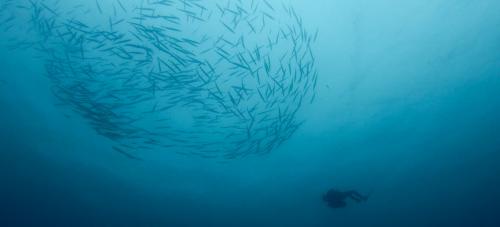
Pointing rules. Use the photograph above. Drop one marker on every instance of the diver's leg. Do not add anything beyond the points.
(359, 196)
(351, 195)
(358, 200)
(356, 196)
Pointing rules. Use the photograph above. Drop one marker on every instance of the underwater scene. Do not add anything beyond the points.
(251, 113)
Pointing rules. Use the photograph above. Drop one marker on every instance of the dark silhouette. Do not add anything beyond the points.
(336, 198)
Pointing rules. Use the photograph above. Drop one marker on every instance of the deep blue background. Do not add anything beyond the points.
(408, 107)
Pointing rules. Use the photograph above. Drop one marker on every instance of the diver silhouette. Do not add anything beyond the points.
(336, 198)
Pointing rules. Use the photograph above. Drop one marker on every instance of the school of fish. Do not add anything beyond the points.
(218, 79)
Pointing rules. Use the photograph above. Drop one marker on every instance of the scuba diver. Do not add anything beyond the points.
(336, 198)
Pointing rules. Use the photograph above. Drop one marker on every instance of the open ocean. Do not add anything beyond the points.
(215, 113)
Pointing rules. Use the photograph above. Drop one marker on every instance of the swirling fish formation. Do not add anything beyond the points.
(210, 78)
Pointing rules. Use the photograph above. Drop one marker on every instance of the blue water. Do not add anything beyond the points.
(407, 109)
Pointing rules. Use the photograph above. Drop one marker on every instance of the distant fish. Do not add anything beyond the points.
(121, 151)
(238, 82)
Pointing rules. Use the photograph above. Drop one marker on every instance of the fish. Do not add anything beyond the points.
(126, 154)
(129, 74)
